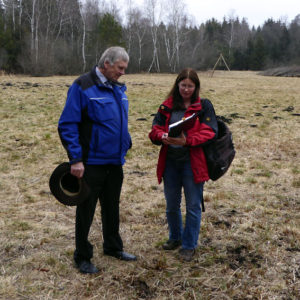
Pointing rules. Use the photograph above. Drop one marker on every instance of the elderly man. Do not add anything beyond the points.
(93, 128)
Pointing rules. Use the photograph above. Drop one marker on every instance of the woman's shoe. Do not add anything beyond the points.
(186, 254)
(171, 245)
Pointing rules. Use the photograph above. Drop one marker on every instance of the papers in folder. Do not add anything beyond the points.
(182, 125)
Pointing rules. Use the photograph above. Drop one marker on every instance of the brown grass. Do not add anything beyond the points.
(249, 246)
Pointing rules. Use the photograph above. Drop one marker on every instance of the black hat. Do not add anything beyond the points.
(67, 188)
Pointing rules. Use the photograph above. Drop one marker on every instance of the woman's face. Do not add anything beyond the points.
(186, 89)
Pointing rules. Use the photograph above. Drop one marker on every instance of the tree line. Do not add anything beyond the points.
(46, 37)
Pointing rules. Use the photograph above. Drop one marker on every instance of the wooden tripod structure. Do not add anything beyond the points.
(221, 57)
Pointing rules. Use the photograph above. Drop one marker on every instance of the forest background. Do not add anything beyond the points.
(66, 37)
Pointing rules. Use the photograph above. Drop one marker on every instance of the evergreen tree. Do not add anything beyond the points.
(258, 54)
(294, 45)
(110, 32)
(239, 60)
(284, 43)
(9, 44)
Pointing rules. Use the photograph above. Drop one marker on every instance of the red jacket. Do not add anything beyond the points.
(196, 136)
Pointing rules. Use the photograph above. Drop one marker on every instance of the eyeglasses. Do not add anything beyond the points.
(186, 86)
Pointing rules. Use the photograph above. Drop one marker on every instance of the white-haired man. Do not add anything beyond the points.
(93, 128)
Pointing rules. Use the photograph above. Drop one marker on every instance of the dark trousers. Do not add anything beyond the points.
(105, 182)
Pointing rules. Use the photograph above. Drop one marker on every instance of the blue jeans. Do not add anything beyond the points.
(178, 175)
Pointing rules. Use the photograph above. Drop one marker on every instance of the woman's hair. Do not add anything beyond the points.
(113, 54)
(187, 73)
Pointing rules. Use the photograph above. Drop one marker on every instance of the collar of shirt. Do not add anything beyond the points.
(102, 78)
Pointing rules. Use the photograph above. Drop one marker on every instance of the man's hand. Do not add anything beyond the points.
(181, 140)
(77, 169)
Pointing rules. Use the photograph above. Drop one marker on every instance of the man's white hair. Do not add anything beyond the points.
(111, 55)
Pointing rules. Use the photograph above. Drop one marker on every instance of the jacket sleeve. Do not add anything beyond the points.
(208, 129)
(68, 124)
(158, 128)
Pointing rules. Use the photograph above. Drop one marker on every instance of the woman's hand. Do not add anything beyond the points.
(164, 138)
(181, 140)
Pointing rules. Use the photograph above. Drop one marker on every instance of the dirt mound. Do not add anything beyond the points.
(292, 71)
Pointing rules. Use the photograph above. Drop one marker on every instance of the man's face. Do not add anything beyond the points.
(115, 71)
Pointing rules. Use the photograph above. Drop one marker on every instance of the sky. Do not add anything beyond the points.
(256, 12)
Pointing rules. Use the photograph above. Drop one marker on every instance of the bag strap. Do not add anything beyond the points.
(204, 103)
(202, 204)
(201, 114)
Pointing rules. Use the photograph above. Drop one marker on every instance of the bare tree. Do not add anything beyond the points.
(20, 13)
(31, 12)
(93, 10)
(140, 26)
(173, 37)
(135, 31)
(129, 15)
(10, 7)
(154, 14)
(83, 38)
(114, 10)
(231, 31)
(13, 10)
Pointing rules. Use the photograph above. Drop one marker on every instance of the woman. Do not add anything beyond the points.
(181, 160)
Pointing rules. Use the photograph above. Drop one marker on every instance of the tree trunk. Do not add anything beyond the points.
(83, 41)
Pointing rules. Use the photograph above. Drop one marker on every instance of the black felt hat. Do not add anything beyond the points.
(67, 188)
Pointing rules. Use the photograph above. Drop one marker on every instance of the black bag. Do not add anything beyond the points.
(220, 151)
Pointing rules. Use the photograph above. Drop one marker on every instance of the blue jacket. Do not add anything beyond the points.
(93, 126)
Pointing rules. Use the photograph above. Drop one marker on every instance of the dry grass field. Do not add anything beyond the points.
(249, 245)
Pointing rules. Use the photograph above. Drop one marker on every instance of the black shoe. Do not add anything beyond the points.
(121, 255)
(171, 245)
(86, 267)
(186, 254)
